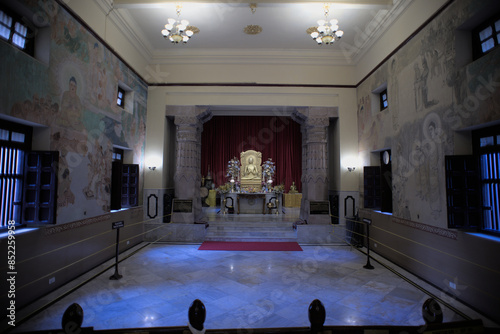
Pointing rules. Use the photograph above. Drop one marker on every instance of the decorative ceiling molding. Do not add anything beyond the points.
(117, 13)
(382, 20)
(251, 56)
(121, 17)
(122, 20)
(160, 3)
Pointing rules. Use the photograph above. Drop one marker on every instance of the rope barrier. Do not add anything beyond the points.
(455, 279)
(423, 245)
(344, 227)
(80, 241)
(78, 261)
(440, 251)
(449, 306)
(55, 300)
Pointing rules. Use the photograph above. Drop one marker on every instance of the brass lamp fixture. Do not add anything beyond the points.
(177, 30)
(327, 32)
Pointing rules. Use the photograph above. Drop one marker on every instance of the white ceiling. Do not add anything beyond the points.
(283, 23)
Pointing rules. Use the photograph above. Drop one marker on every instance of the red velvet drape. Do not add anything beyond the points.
(278, 138)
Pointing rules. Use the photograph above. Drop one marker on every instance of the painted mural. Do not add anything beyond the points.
(431, 97)
(75, 95)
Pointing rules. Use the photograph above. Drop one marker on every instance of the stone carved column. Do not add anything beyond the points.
(315, 167)
(187, 178)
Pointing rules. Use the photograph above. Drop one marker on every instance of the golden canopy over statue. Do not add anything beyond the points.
(251, 169)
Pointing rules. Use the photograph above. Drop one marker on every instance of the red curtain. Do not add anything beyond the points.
(278, 138)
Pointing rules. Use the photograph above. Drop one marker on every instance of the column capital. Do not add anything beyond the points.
(314, 116)
(318, 121)
(186, 120)
(189, 115)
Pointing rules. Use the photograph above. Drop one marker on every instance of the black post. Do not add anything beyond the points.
(368, 264)
(117, 226)
(317, 316)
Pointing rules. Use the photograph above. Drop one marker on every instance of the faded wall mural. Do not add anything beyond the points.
(430, 99)
(74, 95)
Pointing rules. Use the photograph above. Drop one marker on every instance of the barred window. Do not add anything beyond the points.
(473, 184)
(486, 37)
(16, 31)
(15, 141)
(383, 100)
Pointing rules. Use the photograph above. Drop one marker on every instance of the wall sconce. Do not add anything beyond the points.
(152, 168)
(351, 169)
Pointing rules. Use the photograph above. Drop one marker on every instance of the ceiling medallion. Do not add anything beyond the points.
(310, 30)
(194, 29)
(252, 29)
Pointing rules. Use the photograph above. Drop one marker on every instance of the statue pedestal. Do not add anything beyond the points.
(292, 200)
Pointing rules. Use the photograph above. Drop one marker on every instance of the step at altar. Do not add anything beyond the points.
(251, 231)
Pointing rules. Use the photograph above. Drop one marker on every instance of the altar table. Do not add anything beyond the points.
(255, 203)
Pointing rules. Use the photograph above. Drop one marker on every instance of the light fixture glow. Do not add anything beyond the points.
(177, 30)
(327, 32)
(153, 161)
(350, 162)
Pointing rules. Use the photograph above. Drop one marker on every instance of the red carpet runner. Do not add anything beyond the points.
(250, 246)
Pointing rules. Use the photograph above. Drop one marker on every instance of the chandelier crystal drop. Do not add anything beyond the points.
(177, 30)
(327, 31)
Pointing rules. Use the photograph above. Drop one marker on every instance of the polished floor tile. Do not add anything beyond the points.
(242, 290)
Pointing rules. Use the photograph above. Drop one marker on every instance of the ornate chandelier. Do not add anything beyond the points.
(327, 32)
(177, 30)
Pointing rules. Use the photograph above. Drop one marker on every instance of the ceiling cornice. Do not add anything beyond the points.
(345, 55)
(160, 3)
(251, 56)
(124, 22)
(382, 20)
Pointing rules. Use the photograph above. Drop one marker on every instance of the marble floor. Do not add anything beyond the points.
(244, 290)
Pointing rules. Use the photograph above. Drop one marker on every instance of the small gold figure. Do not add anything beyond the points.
(293, 188)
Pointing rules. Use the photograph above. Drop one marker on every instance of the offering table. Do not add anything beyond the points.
(253, 203)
